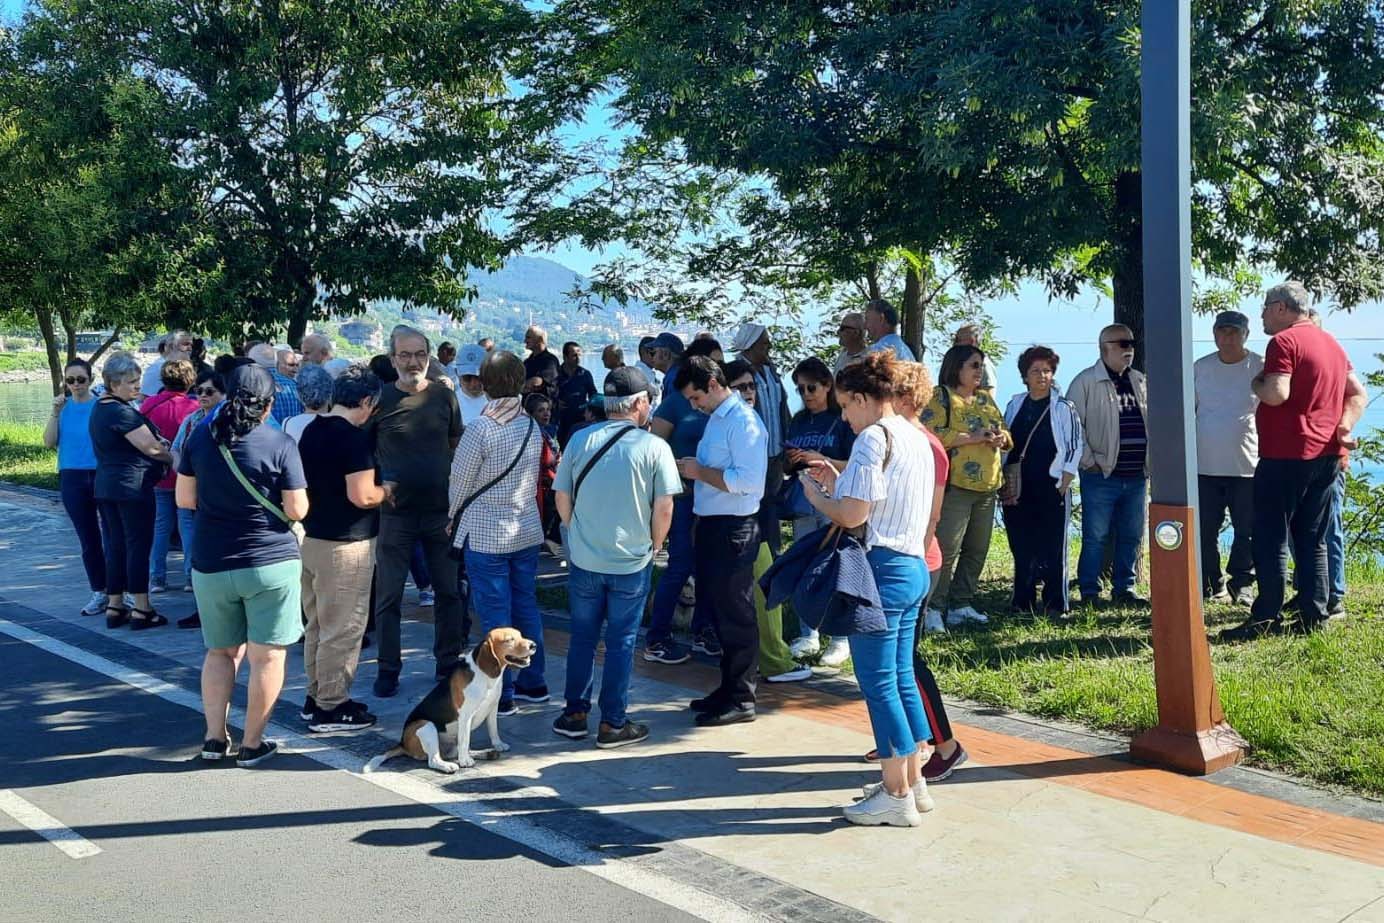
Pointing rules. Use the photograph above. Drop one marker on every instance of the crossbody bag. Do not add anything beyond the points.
(1013, 485)
(591, 462)
(454, 552)
(294, 526)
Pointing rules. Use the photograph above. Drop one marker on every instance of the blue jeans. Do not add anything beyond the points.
(78, 498)
(1109, 505)
(682, 563)
(617, 600)
(503, 590)
(884, 659)
(1336, 539)
(165, 512)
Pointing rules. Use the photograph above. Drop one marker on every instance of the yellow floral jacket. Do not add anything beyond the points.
(973, 466)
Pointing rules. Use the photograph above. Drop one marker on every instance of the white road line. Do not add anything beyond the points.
(47, 826)
(472, 809)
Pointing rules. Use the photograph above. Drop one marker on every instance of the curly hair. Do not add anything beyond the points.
(1036, 354)
(873, 376)
(250, 392)
(913, 386)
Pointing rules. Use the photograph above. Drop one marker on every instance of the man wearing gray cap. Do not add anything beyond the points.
(615, 487)
(1227, 451)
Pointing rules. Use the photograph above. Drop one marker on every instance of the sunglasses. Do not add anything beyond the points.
(207, 391)
(1123, 344)
(745, 387)
(77, 380)
(809, 388)
(845, 329)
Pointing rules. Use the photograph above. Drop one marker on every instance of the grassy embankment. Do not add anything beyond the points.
(1313, 707)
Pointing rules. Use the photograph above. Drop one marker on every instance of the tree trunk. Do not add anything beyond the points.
(50, 345)
(872, 281)
(1128, 278)
(110, 341)
(913, 310)
(69, 329)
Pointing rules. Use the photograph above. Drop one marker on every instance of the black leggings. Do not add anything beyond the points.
(129, 536)
(927, 683)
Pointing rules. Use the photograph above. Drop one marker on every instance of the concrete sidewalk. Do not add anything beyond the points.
(1027, 830)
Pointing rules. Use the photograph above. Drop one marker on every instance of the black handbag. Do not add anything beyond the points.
(455, 552)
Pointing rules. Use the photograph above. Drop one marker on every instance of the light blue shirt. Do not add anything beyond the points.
(610, 528)
(734, 443)
(767, 404)
(75, 451)
(895, 342)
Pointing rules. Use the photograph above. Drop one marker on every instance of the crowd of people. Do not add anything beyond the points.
(306, 489)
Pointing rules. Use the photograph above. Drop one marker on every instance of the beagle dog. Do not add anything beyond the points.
(469, 694)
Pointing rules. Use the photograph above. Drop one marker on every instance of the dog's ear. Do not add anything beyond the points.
(487, 661)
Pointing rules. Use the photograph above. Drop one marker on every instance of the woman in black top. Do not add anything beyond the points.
(130, 459)
(1047, 448)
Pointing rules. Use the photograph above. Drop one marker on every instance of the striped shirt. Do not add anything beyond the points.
(900, 494)
(769, 402)
(1134, 438)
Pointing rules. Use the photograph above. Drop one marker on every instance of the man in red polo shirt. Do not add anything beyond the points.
(1309, 401)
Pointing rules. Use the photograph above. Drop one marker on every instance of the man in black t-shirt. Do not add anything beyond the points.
(541, 367)
(416, 426)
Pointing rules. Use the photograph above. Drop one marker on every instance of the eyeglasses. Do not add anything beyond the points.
(1123, 344)
(811, 387)
(1270, 304)
(207, 391)
(421, 356)
(77, 380)
(744, 387)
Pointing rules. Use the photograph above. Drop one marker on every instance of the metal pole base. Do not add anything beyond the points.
(1192, 734)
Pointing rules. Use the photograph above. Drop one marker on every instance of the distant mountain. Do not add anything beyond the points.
(539, 282)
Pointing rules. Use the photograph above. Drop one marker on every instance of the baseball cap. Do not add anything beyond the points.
(627, 381)
(469, 359)
(670, 342)
(1231, 319)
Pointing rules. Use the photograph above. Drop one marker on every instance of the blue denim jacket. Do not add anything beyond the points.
(833, 587)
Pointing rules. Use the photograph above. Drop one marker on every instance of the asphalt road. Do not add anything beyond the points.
(184, 840)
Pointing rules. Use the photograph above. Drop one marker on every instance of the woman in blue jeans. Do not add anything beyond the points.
(886, 489)
(493, 507)
(67, 431)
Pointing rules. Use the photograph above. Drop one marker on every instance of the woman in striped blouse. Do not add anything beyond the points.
(886, 488)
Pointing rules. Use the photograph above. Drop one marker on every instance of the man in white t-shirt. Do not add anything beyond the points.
(470, 393)
(1227, 451)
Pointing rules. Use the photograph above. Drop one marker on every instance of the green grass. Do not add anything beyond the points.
(23, 459)
(23, 362)
(1313, 706)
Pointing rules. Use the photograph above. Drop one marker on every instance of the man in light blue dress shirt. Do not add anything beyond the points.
(882, 323)
(728, 472)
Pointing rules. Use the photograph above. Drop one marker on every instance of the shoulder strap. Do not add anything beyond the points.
(260, 498)
(888, 446)
(461, 510)
(591, 462)
(946, 407)
(1036, 423)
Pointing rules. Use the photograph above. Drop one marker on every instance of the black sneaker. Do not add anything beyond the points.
(729, 714)
(608, 738)
(1252, 629)
(1336, 609)
(537, 694)
(346, 717)
(665, 652)
(1293, 604)
(573, 726)
(1129, 598)
(386, 685)
(213, 750)
(309, 709)
(191, 621)
(707, 704)
(248, 758)
(707, 643)
(507, 708)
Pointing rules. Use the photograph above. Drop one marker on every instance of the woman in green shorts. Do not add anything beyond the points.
(245, 480)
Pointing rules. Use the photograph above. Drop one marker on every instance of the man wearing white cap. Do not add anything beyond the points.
(752, 343)
(470, 392)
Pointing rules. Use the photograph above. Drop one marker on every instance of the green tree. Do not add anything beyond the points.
(343, 152)
(1003, 136)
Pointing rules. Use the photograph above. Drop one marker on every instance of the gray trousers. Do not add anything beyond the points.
(399, 530)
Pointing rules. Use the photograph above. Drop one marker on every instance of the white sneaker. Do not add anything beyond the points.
(932, 622)
(966, 614)
(97, 604)
(883, 809)
(837, 653)
(806, 645)
(796, 675)
(426, 598)
(129, 601)
(921, 799)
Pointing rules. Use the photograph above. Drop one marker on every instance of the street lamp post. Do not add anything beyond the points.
(1192, 734)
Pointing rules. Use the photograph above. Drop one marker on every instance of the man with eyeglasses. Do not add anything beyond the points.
(1111, 398)
(1309, 402)
(851, 335)
(416, 425)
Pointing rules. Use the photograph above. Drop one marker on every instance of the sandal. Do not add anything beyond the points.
(122, 615)
(146, 619)
(872, 756)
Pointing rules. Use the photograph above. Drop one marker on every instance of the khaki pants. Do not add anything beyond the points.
(336, 601)
(968, 516)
